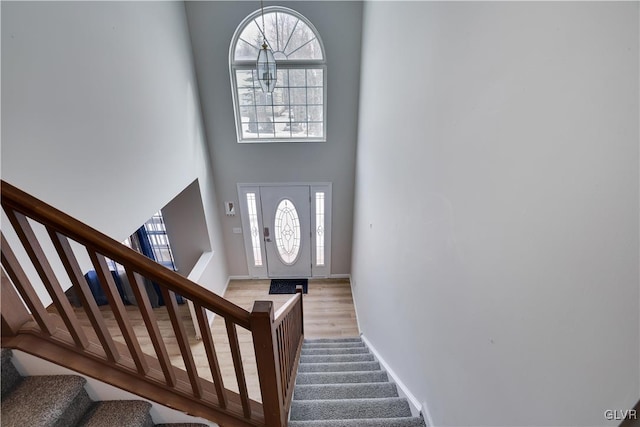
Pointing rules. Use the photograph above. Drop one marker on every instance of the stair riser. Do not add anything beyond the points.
(356, 408)
(341, 378)
(385, 422)
(332, 340)
(339, 367)
(337, 358)
(76, 410)
(130, 413)
(333, 345)
(10, 375)
(344, 391)
(324, 351)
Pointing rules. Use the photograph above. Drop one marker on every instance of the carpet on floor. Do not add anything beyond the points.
(288, 286)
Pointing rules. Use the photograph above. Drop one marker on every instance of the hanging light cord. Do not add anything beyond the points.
(264, 35)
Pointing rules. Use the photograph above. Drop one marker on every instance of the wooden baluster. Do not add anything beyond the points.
(267, 361)
(290, 338)
(68, 258)
(39, 259)
(14, 313)
(119, 312)
(210, 349)
(183, 341)
(282, 355)
(237, 364)
(144, 305)
(24, 287)
(280, 334)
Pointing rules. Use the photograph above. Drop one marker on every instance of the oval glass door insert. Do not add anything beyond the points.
(287, 232)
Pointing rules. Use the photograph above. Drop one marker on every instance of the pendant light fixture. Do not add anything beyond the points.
(266, 64)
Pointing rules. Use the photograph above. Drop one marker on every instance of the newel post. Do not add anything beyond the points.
(268, 363)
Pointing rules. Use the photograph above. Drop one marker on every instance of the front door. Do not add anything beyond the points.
(286, 230)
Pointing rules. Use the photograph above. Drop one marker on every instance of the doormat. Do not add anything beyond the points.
(288, 286)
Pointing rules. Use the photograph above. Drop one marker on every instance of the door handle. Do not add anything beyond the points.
(267, 236)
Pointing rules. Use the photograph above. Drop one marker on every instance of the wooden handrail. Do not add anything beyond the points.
(47, 215)
(286, 308)
(92, 350)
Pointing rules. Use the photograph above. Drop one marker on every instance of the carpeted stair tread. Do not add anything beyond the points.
(348, 350)
(181, 425)
(331, 340)
(121, 413)
(341, 377)
(10, 375)
(336, 358)
(390, 407)
(344, 391)
(363, 422)
(339, 367)
(341, 384)
(49, 400)
(347, 344)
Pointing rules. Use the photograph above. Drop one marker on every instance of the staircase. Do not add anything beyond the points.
(340, 384)
(62, 401)
(57, 253)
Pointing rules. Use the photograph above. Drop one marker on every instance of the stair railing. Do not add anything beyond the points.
(92, 350)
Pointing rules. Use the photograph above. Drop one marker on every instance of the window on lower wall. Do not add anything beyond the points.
(152, 241)
(296, 110)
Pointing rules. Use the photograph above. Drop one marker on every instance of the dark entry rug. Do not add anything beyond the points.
(288, 286)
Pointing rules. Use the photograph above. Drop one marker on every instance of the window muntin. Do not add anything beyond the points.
(289, 35)
(296, 111)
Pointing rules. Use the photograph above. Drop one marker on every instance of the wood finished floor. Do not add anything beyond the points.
(328, 313)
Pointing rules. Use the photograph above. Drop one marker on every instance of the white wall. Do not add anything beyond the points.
(212, 24)
(186, 228)
(495, 257)
(100, 112)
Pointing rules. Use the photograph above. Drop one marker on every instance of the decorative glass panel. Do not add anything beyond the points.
(255, 229)
(287, 231)
(320, 228)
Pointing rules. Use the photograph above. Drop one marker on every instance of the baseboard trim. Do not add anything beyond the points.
(403, 391)
(229, 279)
(242, 277)
(340, 276)
(355, 305)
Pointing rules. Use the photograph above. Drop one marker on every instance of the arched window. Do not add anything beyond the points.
(296, 110)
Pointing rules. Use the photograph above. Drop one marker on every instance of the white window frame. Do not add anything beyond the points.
(235, 65)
